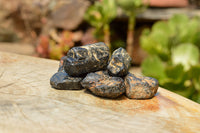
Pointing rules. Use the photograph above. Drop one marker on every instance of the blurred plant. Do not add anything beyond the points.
(173, 49)
(56, 45)
(131, 8)
(100, 15)
(7, 35)
(118, 43)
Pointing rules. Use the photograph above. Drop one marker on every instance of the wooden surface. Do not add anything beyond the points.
(18, 48)
(29, 104)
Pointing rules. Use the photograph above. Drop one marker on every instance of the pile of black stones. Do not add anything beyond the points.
(91, 67)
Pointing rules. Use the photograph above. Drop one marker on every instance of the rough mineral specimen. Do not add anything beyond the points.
(84, 59)
(61, 66)
(119, 63)
(101, 84)
(61, 80)
(92, 60)
(140, 87)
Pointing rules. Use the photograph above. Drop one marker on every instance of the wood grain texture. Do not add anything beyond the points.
(28, 104)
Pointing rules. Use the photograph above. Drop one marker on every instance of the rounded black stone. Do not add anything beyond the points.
(103, 85)
(85, 59)
(119, 63)
(61, 80)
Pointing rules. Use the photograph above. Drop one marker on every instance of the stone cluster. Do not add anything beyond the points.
(89, 67)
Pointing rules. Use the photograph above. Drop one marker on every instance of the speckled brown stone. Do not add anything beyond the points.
(101, 84)
(62, 81)
(85, 59)
(119, 63)
(139, 87)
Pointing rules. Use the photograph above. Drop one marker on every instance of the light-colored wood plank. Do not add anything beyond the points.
(28, 104)
(18, 48)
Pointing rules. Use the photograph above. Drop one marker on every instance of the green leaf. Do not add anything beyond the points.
(172, 85)
(177, 26)
(195, 96)
(195, 71)
(175, 45)
(109, 10)
(185, 54)
(156, 43)
(161, 26)
(196, 38)
(178, 21)
(161, 41)
(93, 16)
(174, 72)
(131, 6)
(146, 42)
(176, 78)
(189, 34)
(194, 74)
(196, 83)
(186, 92)
(154, 67)
(65, 48)
(101, 13)
(55, 52)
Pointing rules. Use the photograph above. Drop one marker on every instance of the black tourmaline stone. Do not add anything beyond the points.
(140, 87)
(119, 63)
(85, 59)
(62, 81)
(101, 84)
(61, 66)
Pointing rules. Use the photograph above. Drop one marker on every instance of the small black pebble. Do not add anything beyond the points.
(62, 81)
(119, 63)
(101, 84)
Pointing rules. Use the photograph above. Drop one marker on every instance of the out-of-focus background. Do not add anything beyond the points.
(162, 36)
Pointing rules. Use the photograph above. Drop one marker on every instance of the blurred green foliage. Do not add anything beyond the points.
(131, 8)
(174, 50)
(7, 35)
(55, 46)
(103, 12)
(100, 15)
